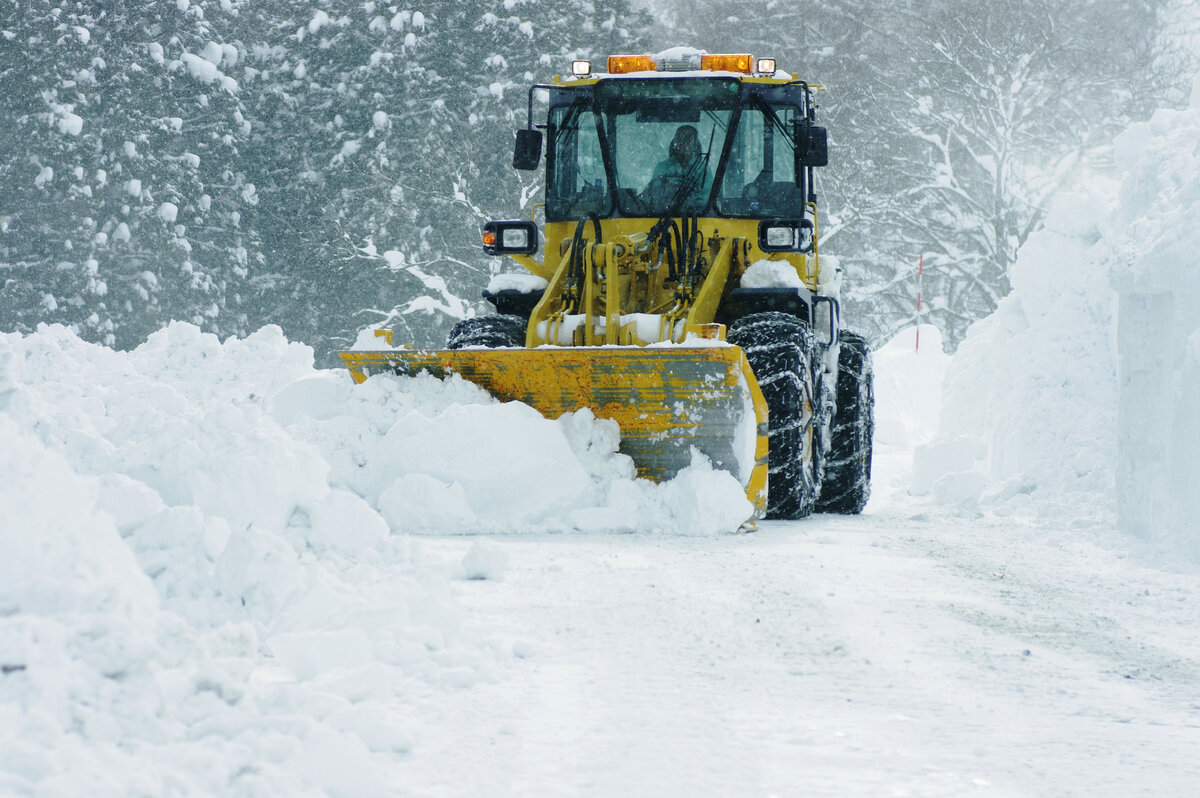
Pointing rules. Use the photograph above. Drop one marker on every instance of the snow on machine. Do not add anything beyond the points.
(681, 291)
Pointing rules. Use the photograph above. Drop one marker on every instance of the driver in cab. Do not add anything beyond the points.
(684, 165)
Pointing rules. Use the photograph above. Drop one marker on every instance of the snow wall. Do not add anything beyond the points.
(1079, 397)
(1156, 270)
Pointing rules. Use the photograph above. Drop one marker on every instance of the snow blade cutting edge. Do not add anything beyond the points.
(667, 400)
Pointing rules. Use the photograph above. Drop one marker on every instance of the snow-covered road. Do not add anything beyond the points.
(904, 652)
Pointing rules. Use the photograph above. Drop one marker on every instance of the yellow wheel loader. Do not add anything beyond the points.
(680, 290)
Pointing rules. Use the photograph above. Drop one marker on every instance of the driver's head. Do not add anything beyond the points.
(686, 144)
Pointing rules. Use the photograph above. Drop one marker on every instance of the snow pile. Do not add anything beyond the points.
(176, 603)
(201, 580)
(1029, 412)
(1156, 269)
(250, 433)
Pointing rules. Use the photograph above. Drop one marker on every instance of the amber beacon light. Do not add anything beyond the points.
(740, 62)
(622, 64)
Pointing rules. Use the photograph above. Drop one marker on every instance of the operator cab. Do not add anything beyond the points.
(670, 138)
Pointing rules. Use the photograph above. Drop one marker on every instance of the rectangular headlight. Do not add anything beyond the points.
(785, 235)
(510, 238)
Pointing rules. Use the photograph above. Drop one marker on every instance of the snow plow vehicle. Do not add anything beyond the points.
(681, 291)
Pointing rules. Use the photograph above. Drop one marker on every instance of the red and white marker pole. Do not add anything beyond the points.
(920, 274)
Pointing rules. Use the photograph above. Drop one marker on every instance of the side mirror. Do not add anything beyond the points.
(812, 145)
(528, 152)
(510, 238)
(785, 235)
(826, 319)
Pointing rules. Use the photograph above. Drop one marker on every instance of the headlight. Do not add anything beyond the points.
(510, 238)
(785, 235)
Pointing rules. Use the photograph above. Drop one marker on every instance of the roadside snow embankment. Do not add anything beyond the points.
(1077, 398)
(202, 556)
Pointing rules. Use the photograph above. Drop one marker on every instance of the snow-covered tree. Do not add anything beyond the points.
(119, 190)
(383, 140)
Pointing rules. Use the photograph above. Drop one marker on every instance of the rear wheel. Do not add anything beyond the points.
(781, 350)
(846, 485)
(488, 331)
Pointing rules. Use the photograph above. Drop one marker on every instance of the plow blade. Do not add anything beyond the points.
(666, 400)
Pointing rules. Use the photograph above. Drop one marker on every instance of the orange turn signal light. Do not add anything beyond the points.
(727, 62)
(489, 238)
(621, 64)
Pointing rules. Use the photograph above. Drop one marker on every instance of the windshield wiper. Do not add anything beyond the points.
(769, 112)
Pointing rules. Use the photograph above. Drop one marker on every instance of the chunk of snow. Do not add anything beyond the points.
(344, 521)
(485, 561)
(349, 149)
(771, 274)
(70, 124)
(212, 53)
(200, 68)
(423, 503)
(523, 282)
(168, 211)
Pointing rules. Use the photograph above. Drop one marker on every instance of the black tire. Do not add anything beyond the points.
(781, 350)
(846, 485)
(488, 331)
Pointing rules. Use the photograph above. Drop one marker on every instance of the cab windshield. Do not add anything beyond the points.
(653, 147)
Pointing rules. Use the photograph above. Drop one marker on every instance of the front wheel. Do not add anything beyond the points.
(488, 332)
(847, 482)
(781, 350)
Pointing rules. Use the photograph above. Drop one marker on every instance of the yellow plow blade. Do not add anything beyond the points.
(667, 400)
